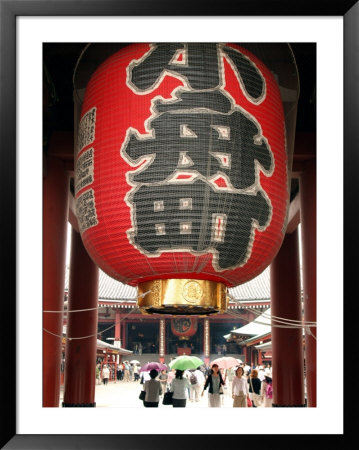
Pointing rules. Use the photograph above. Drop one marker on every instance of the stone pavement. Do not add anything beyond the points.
(123, 394)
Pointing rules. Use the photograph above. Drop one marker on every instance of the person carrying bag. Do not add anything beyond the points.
(255, 388)
(153, 390)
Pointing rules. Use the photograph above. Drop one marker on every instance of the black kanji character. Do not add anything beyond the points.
(202, 143)
(195, 218)
(200, 68)
(247, 71)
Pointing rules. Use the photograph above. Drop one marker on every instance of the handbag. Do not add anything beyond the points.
(249, 402)
(167, 398)
(142, 395)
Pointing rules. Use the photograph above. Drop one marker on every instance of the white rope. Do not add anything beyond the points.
(72, 310)
(69, 338)
(292, 322)
(144, 294)
(273, 325)
(89, 309)
(122, 318)
(270, 316)
(309, 331)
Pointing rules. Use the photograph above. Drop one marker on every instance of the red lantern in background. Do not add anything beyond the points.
(184, 326)
(181, 179)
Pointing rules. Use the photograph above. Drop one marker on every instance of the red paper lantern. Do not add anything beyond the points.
(184, 326)
(181, 165)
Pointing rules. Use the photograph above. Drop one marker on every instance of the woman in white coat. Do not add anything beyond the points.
(240, 390)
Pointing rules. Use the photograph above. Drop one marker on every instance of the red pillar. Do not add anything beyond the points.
(123, 330)
(162, 340)
(260, 360)
(118, 327)
(80, 356)
(245, 353)
(206, 341)
(287, 343)
(308, 214)
(55, 211)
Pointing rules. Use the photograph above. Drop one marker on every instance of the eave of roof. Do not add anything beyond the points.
(265, 346)
(258, 337)
(260, 325)
(254, 293)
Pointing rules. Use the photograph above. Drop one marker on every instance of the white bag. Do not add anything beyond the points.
(257, 400)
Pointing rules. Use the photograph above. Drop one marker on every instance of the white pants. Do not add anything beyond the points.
(214, 400)
(195, 392)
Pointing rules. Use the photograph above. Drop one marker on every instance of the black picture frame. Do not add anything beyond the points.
(9, 10)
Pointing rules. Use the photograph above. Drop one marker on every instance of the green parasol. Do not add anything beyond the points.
(185, 362)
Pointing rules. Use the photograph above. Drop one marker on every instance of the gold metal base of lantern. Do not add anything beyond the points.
(182, 297)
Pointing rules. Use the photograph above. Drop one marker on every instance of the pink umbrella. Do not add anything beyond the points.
(153, 365)
(226, 362)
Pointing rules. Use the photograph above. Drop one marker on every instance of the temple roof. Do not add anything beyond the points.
(256, 289)
(110, 289)
(260, 326)
(265, 346)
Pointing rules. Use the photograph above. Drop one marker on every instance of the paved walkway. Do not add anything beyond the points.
(125, 394)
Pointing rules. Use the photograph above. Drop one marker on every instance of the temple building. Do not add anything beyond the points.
(121, 323)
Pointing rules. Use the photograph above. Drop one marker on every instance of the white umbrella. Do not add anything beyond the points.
(134, 361)
(226, 362)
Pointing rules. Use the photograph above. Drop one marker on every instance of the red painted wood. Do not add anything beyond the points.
(80, 356)
(118, 326)
(287, 343)
(55, 206)
(309, 245)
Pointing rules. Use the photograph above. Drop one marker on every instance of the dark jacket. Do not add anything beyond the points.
(256, 382)
(210, 383)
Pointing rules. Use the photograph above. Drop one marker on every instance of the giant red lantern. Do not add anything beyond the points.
(184, 326)
(181, 179)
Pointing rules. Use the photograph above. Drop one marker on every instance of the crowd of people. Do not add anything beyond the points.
(249, 387)
(119, 372)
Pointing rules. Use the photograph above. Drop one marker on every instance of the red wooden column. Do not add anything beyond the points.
(287, 343)
(80, 355)
(206, 341)
(245, 354)
(260, 361)
(118, 328)
(162, 340)
(308, 214)
(123, 331)
(55, 210)
(117, 341)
